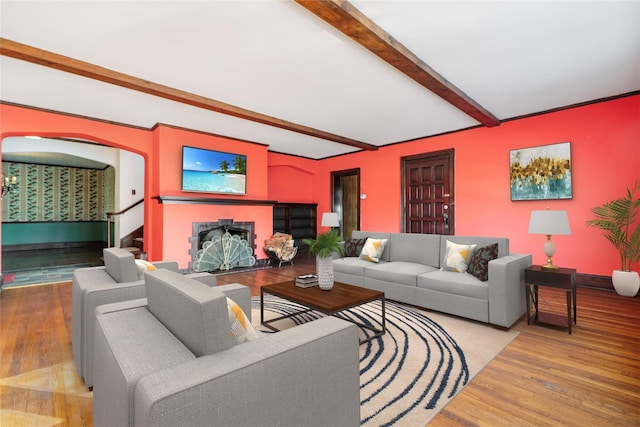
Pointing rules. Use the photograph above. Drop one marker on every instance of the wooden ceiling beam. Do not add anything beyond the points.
(64, 63)
(350, 21)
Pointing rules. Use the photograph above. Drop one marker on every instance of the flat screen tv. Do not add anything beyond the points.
(210, 171)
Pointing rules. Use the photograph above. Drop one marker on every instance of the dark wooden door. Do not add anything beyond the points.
(428, 199)
(345, 200)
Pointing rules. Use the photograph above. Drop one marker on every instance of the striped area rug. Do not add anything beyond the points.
(409, 374)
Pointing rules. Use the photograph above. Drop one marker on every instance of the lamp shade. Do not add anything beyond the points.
(549, 222)
(330, 219)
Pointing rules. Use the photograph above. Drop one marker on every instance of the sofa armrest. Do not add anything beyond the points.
(120, 306)
(338, 254)
(93, 297)
(169, 265)
(202, 277)
(506, 289)
(83, 278)
(306, 375)
(240, 294)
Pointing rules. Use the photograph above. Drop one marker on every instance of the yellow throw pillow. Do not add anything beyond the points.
(373, 249)
(241, 328)
(144, 266)
(457, 257)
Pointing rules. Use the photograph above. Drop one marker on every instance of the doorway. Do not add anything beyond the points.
(428, 200)
(55, 221)
(345, 199)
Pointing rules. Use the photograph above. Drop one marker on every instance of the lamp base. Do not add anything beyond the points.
(550, 266)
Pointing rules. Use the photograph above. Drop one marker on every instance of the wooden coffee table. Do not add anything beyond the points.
(341, 297)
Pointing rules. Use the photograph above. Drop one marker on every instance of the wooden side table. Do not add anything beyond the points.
(564, 278)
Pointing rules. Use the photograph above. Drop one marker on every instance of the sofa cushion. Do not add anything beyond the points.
(479, 264)
(352, 265)
(120, 265)
(454, 283)
(241, 327)
(194, 312)
(399, 272)
(415, 247)
(457, 257)
(372, 249)
(353, 247)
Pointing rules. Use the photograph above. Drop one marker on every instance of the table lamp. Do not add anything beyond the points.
(549, 222)
(330, 219)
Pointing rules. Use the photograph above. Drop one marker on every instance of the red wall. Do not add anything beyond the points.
(176, 225)
(605, 145)
(167, 227)
(605, 150)
(291, 179)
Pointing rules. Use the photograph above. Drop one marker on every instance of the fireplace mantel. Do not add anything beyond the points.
(211, 201)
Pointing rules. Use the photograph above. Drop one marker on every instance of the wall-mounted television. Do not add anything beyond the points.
(210, 171)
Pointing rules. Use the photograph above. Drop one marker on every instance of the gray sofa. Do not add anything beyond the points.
(179, 367)
(118, 280)
(410, 271)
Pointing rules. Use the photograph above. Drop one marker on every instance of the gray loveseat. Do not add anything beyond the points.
(179, 366)
(118, 280)
(409, 271)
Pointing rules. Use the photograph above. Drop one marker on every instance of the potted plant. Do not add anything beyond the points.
(618, 219)
(323, 247)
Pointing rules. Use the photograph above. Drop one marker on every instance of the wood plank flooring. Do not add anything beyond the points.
(544, 377)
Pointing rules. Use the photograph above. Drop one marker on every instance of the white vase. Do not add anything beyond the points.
(626, 283)
(324, 271)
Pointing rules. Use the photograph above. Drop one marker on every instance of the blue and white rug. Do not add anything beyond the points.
(409, 374)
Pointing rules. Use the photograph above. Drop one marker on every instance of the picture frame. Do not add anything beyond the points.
(541, 173)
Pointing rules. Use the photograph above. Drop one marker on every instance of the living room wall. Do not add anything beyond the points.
(176, 225)
(605, 150)
(161, 150)
(292, 179)
(605, 144)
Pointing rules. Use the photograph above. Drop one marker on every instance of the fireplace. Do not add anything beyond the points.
(208, 231)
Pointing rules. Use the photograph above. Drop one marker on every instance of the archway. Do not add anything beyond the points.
(65, 187)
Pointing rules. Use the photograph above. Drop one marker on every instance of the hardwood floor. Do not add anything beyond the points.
(544, 377)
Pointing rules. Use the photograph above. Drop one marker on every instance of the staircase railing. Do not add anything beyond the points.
(113, 214)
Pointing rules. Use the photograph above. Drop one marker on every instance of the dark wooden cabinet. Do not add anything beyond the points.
(297, 219)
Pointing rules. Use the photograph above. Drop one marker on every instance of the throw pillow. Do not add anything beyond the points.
(457, 257)
(373, 249)
(479, 263)
(353, 247)
(241, 329)
(144, 266)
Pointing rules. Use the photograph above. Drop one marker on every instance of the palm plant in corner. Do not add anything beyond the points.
(617, 220)
(323, 248)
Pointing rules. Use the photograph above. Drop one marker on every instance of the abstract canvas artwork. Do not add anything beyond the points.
(541, 173)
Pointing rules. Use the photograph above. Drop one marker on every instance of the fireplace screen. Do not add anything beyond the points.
(224, 252)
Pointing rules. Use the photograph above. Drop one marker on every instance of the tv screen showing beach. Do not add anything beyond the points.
(210, 171)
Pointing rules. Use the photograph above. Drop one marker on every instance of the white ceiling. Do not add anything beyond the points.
(275, 57)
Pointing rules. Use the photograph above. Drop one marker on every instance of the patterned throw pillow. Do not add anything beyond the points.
(241, 329)
(457, 257)
(144, 266)
(353, 247)
(373, 249)
(479, 263)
